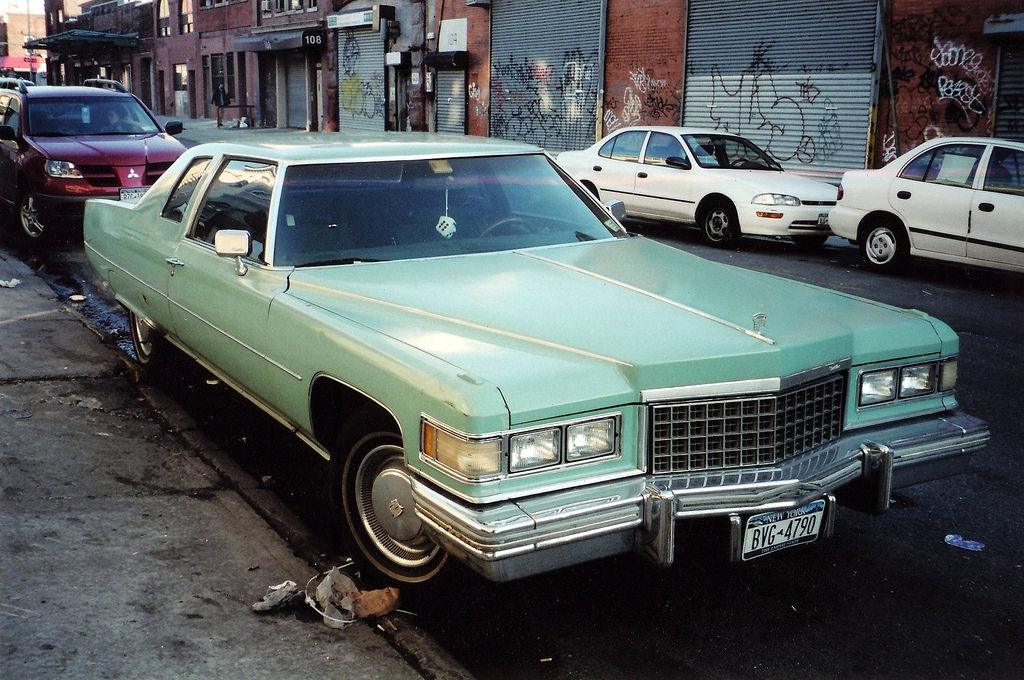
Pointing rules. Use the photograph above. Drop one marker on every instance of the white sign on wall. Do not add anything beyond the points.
(452, 36)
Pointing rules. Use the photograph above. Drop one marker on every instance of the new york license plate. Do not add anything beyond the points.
(132, 194)
(771, 531)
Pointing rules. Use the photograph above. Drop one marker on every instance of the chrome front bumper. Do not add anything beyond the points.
(510, 540)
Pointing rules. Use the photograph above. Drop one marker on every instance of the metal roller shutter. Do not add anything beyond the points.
(361, 96)
(451, 101)
(1009, 113)
(546, 73)
(797, 78)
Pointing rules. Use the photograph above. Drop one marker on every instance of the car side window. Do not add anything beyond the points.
(180, 198)
(624, 147)
(238, 198)
(953, 165)
(1005, 172)
(10, 111)
(661, 147)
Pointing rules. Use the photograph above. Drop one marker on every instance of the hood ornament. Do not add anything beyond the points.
(760, 321)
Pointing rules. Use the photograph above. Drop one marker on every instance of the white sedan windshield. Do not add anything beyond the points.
(721, 151)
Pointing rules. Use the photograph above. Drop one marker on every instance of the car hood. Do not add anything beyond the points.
(602, 321)
(761, 181)
(120, 150)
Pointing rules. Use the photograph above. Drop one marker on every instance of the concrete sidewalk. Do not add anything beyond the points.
(124, 553)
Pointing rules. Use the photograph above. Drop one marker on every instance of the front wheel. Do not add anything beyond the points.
(371, 492)
(29, 219)
(719, 225)
(884, 246)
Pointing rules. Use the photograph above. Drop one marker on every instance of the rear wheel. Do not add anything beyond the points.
(148, 343)
(371, 493)
(719, 225)
(885, 246)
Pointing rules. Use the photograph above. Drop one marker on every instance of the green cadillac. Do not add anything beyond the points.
(499, 372)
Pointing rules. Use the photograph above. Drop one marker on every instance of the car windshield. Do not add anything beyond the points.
(341, 213)
(722, 151)
(81, 116)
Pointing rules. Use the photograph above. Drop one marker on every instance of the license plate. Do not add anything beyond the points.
(823, 220)
(133, 194)
(773, 531)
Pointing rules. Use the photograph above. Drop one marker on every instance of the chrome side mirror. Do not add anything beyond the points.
(235, 243)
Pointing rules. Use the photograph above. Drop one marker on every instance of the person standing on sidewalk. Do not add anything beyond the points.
(220, 100)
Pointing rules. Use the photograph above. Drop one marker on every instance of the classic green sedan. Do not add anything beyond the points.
(499, 372)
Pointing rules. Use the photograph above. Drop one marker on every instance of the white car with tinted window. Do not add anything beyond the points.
(958, 199)
(720, 182)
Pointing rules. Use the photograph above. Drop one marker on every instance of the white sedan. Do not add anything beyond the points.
(722, 183)
(952, 198)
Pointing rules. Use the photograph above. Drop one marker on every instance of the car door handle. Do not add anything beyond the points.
(903, 194)
(174, 264)
(642, 175)
(986, 207)
(597, 168)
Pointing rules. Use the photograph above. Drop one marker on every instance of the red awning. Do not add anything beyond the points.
(22, 63)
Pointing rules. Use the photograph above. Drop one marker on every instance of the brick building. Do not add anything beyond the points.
(824, 86)
(21, 23)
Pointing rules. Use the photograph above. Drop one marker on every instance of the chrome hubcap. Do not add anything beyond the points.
(717, 225)
(386, 509)
(881, 246)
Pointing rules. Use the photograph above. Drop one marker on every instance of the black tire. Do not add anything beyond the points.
(371, 495)
(719, 225)
(884, 246)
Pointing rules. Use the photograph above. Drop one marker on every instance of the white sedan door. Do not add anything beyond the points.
(664, 191)
(934, 195)
(997, 212)
(615, 168)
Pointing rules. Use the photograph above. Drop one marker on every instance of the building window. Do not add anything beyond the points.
(163, 19)
(185, 16)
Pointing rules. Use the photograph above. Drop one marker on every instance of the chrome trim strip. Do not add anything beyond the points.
(732, 388)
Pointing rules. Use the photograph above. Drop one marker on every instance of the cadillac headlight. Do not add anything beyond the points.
(907, 382)
(917, 380)
(775, 199)
(474, 458)
(877, 387)
(590, 440)
(62, 169)
(532, 450)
